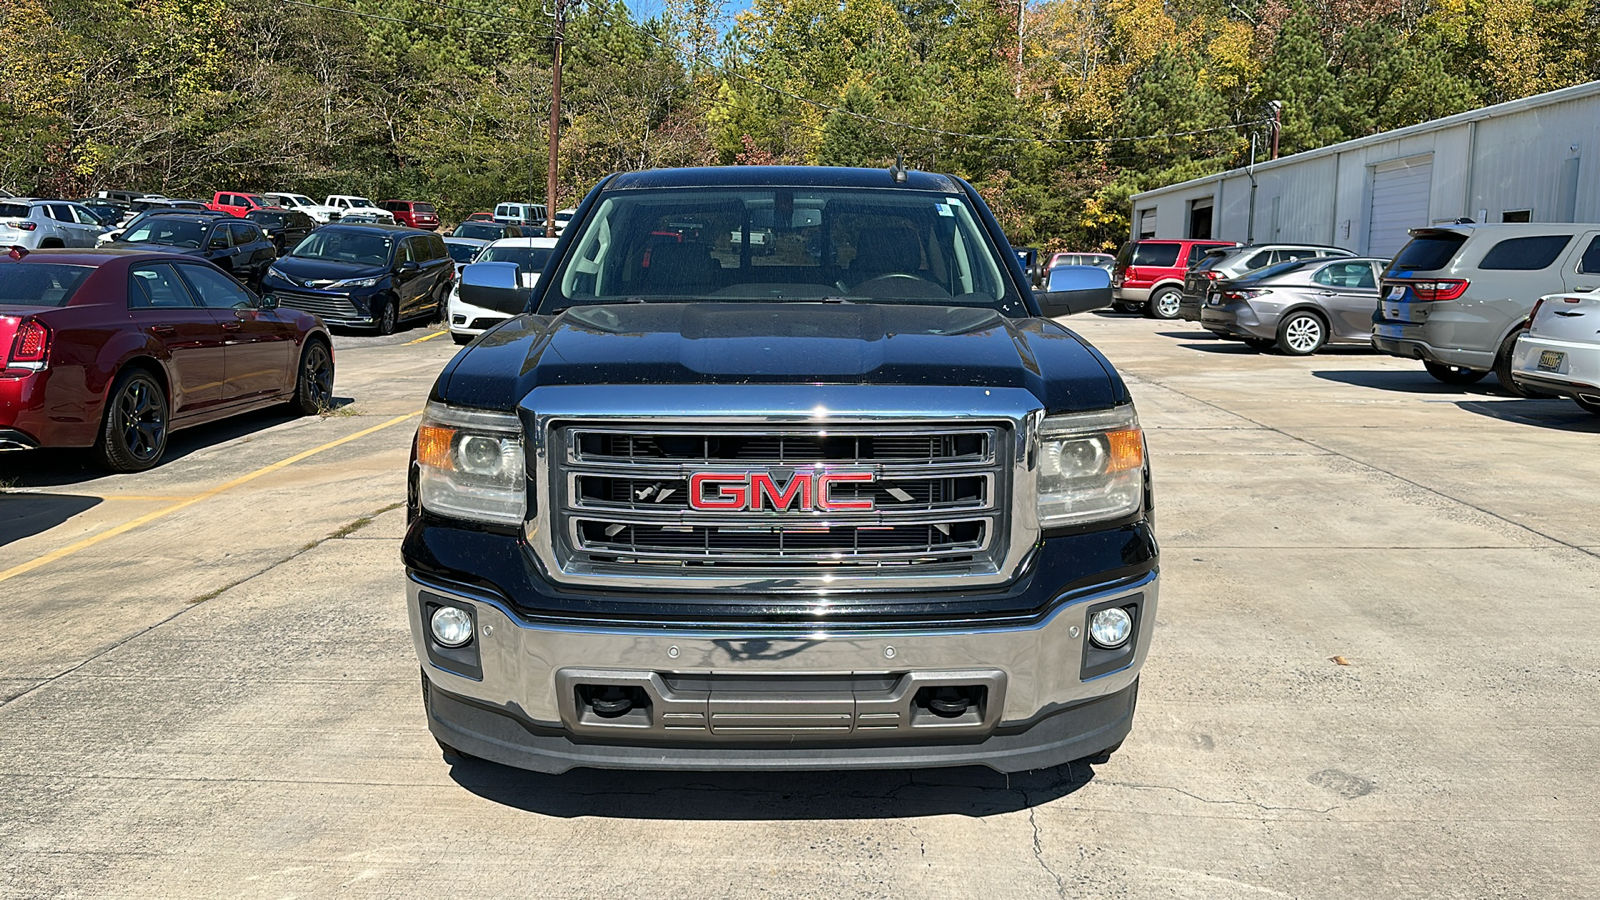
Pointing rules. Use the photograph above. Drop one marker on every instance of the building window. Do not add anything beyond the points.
(1147, 223)
(1200, 218)
(1517, 215)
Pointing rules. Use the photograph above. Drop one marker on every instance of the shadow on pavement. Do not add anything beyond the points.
(1200, 335)
(1417, 382)
(52, 467)
(25, 515)
(1560, 415)
(766, 796)
(1234, 348)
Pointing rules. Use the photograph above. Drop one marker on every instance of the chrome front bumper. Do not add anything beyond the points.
(521, 705)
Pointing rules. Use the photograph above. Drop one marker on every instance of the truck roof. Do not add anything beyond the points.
(780, 176)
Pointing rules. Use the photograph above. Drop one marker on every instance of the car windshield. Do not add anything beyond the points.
(345, 246)
(462, 253)
(167, 230)
(258, 200)
(1283, 268)
(37, 284)
(268, 218)
(361, 201)
(782, 245)
(528, 259)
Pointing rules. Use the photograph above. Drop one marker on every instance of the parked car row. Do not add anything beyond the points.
(1519, 300)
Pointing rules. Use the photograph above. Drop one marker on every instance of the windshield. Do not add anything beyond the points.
(167, 230)
(345, 246)
(38, 284)
(483, 231)
(782, 244)
(361, 201)
(528, 259)
(462, 253)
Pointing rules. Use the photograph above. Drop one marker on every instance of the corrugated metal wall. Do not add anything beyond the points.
(1529, 155)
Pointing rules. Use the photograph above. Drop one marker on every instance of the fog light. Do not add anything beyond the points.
(1110, 628)
(452, 626)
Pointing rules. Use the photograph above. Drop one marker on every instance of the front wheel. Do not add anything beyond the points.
(133, 434)
(1456, 375)
(1165, 303)
(1302, 334)
(1502, 368)
(313, 388)
(1127, 308)
(388, 316)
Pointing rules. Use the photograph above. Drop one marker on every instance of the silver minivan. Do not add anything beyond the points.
(1457, 296)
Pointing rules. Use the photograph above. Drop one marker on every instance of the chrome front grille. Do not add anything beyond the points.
(327, 306)
(619, 503)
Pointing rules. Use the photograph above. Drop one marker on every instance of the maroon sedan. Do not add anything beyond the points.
(113, 349)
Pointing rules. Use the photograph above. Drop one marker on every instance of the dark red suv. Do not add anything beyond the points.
(1149, 273)
(415, 213)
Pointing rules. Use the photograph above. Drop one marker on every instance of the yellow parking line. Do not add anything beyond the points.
(428, 337)
(147, 518)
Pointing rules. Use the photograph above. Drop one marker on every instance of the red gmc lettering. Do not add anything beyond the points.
(762, 485)
(731, 491)
(759, 490)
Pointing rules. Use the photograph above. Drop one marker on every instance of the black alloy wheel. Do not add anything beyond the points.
(313, 389)
(1456, 375)
(134, 433)
(388, 316)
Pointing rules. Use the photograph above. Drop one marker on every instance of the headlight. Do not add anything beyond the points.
(356, 282)
(1090, 467)
(276, 272)
(472, 465)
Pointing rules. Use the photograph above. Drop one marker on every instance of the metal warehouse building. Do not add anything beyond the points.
(1521, 161)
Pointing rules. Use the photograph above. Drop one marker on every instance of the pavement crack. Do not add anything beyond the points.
(1038, 847)
(1134, 785)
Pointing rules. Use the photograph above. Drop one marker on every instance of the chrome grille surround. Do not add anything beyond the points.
(982, 530)
(335, 307)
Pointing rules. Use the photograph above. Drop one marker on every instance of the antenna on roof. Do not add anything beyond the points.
(898, 170)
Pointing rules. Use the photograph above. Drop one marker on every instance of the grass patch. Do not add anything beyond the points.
(337, 412)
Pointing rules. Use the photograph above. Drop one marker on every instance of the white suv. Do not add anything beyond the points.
(319, 213)
(47, 223)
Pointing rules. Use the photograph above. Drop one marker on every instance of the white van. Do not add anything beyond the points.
(520, 213)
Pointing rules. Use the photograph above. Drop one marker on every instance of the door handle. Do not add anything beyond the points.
(163, 329)
(231, 326)
(1326, 293)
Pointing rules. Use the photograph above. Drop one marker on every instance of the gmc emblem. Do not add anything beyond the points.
(726, 491)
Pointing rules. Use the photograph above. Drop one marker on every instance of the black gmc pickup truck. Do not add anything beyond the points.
(782, 468)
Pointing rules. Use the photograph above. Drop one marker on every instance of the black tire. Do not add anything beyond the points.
(462, 339)
(1456, 375)
(313, 384)
(388, 316)
(51, 244)
(1126, 308)
(1164, 304)
(1302, 333)
(133, 430)
(1502, 369)
(1260, 345)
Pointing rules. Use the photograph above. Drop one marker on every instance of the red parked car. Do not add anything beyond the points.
(237, 204)
(113, 349)
(1148, 274)
(415, 213)
(480, 217)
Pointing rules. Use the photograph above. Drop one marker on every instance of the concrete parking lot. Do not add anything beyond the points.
(1375, 674)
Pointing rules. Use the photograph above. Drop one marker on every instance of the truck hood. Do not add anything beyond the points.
(782, 343)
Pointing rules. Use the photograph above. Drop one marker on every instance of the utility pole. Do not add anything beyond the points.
(1022, 8)
(555, 120)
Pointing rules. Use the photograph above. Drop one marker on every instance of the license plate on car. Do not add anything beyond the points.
(1387, 331)
(1550, 360)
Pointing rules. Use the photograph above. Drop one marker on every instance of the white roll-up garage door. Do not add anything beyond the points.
(1400, 192)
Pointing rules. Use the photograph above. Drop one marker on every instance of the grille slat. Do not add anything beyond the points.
(623, 496)
(318, 304)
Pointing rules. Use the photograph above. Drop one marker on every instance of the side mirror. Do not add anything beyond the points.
(218, 244)
(1074, 289)
(494, 285)
(409, 266)
(268, 301)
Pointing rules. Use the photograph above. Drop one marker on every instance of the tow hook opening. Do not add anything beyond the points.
(613, 701)
(950, 701)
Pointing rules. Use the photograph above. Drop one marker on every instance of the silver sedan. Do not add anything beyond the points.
(1560, 351)
(1297, 307)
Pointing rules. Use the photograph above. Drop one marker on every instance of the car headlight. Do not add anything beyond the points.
(471, 465)
(356, 282)
(276, 272)
(1090, 467)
